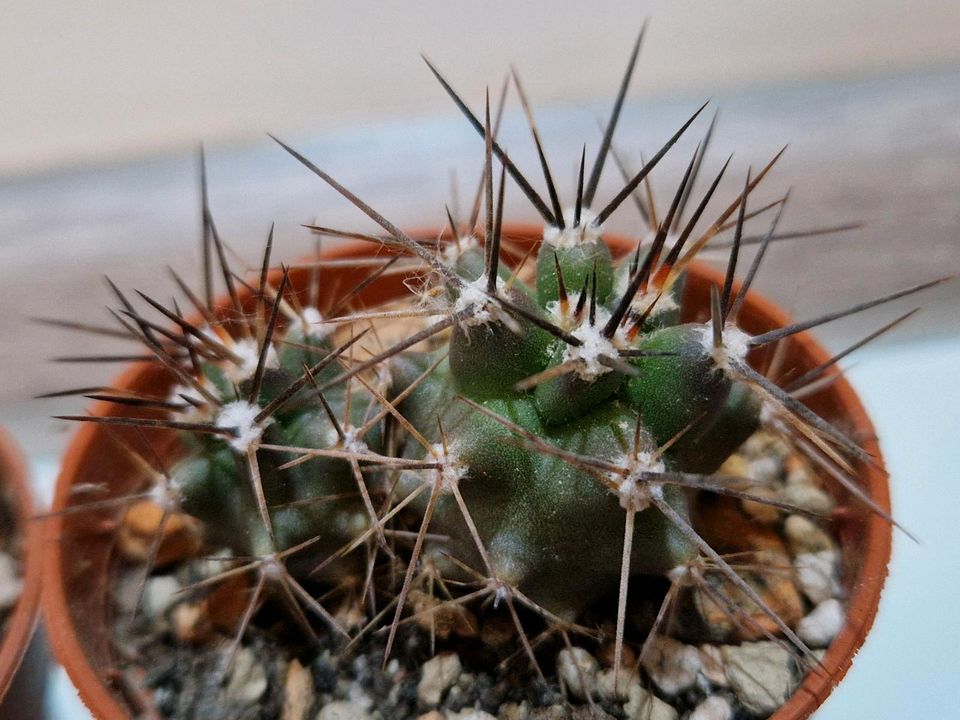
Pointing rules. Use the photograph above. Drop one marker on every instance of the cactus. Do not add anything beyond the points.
(538, 438)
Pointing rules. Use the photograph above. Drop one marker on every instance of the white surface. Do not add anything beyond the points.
(908, 666)
(92, 81)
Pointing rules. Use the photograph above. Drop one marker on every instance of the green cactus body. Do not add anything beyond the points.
(317, 499)
(541, 519)
(546, 526)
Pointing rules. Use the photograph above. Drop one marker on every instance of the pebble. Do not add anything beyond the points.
(159, 594)
(615, 687)
(799, 472)
(513, 711)
(777, 590)
(470, 714)
(760, 674)
(644, 705)
(672, 665)
(439, 673)
(805, 536)
(715, 707)
(765, 470)
(565, 712)
(432, 715)
(191, 623)
(10, 583)
(822, 624)
(343, 710)
(736, 465)
(207, 566)
(298, 692)
(763, 513)
(577, 670)
(135, 536)
(817, 575)
(809, 497)
(712, 665)
(248, 680)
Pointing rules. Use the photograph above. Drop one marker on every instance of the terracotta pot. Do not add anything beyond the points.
(80, 552)
(23, 620)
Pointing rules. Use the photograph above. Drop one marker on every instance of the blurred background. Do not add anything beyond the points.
(104, 104)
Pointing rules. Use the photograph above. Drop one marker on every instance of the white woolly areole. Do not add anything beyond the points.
(240, 416)
(588, 354)
(734, 346)
(573, 235)
(313, 325)
(594, 345)
(478, 305)
(352, 442)
(248, 354)
(635, 491)
(679, 574)
(272, 567)
(452, 471)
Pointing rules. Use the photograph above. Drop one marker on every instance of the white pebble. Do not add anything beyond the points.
(800, 475)
(644, 705)
(342, 710)
(712, 665)
(616, 686)
(470, 714)
(672, 665)
(715, 707)
(513, 711)
(809, 497)
(761, 675)
(577, 670)
(817, 575)
(159, 594)
(805, 536)
(248, 680)
(439, 673)
(765, 470)
(822, 624)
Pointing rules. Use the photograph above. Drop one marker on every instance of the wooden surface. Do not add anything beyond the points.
(885, 151)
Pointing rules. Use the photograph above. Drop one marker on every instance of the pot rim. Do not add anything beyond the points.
(23, 621)
(862, 602)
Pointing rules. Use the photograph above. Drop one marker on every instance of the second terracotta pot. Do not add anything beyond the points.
(18, 690)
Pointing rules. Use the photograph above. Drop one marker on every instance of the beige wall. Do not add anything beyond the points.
(87, 82)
